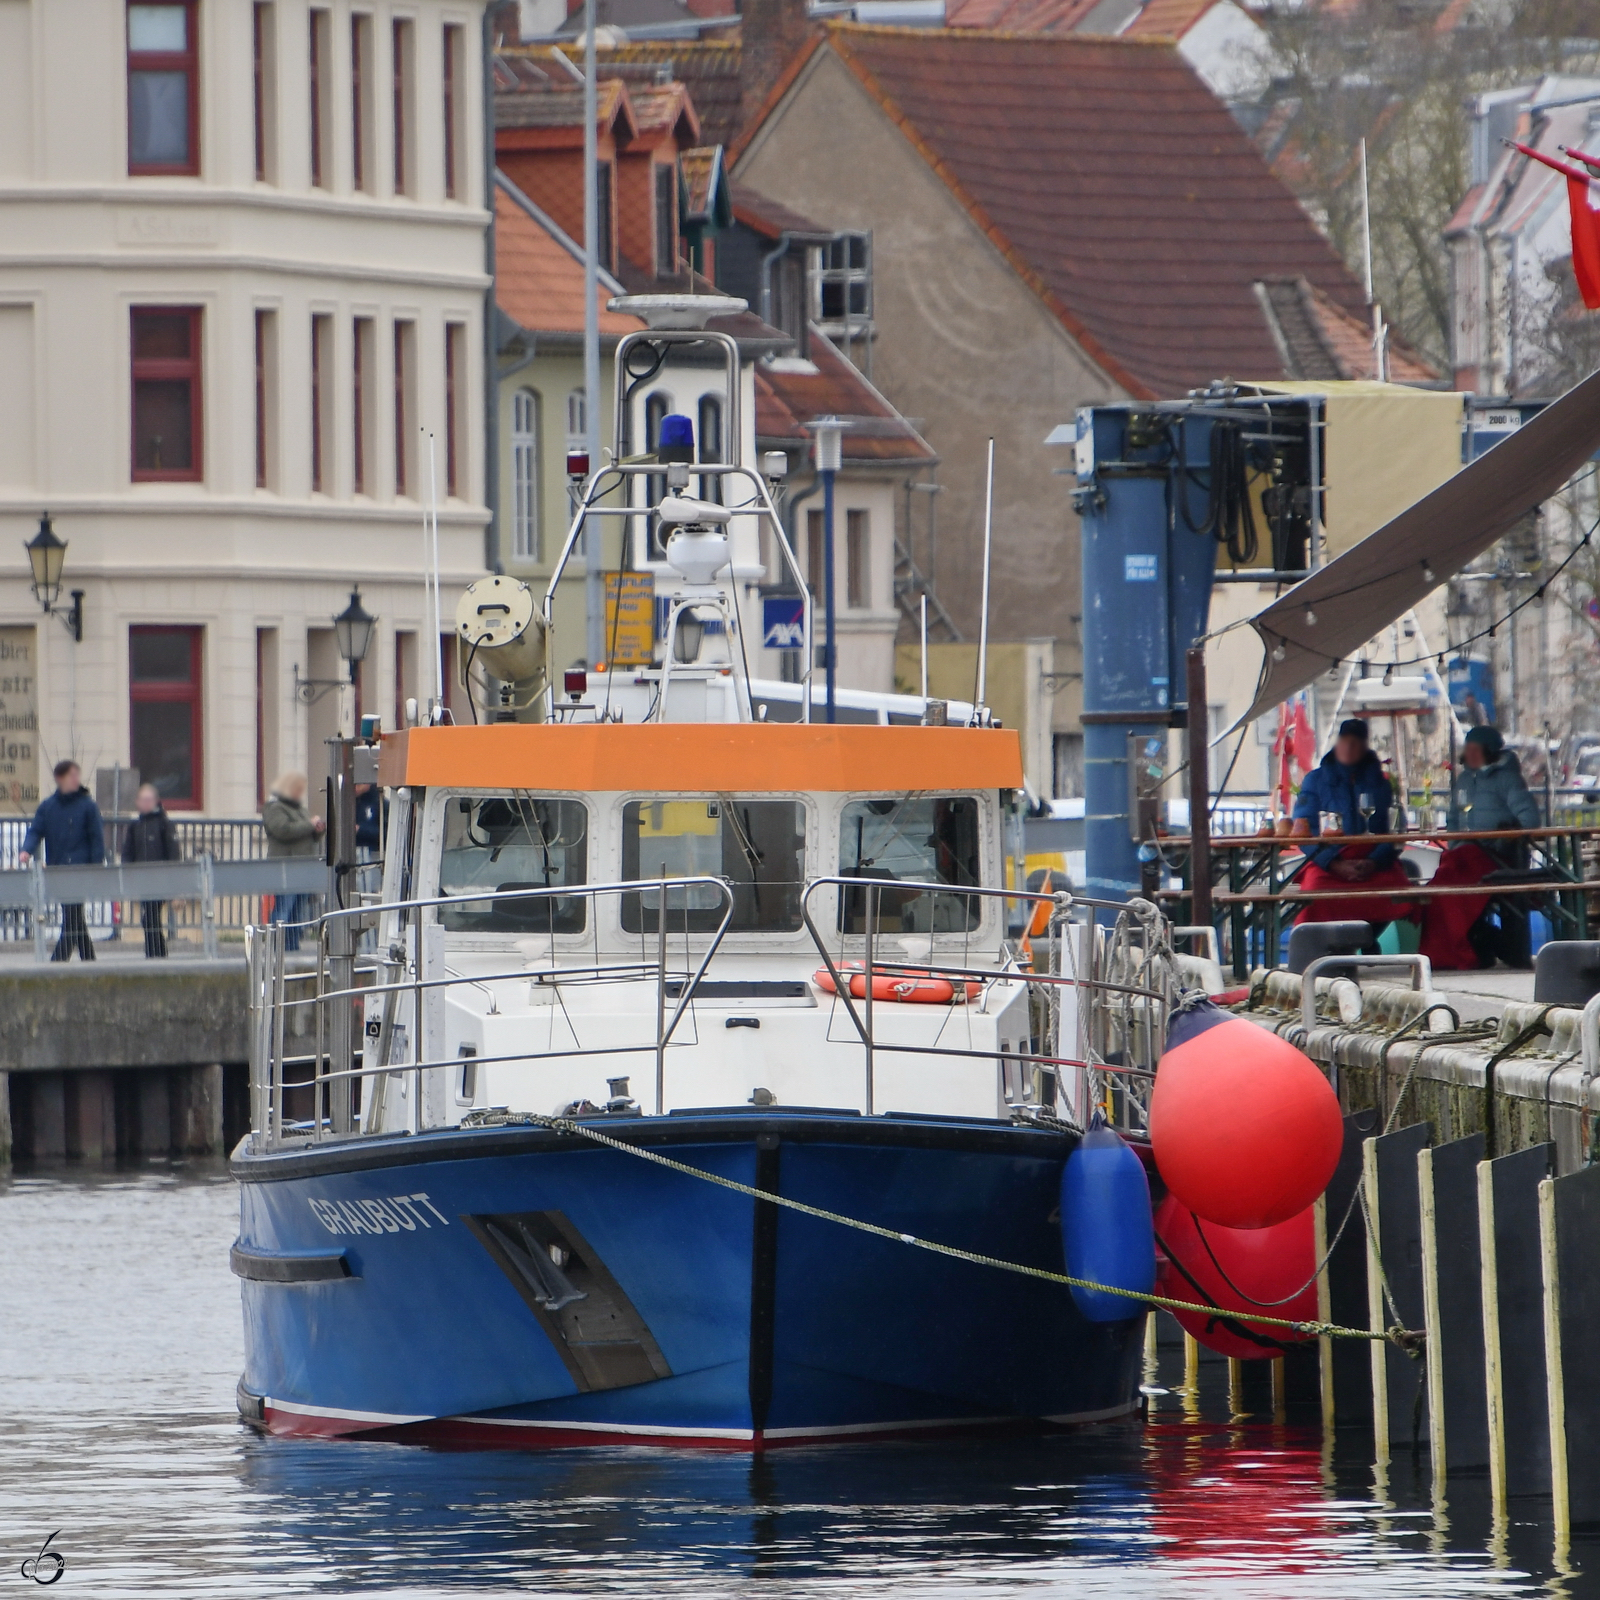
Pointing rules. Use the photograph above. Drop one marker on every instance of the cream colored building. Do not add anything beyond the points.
(242, 280)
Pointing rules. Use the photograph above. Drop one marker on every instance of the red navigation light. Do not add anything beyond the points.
(577, 463)
(575, 680)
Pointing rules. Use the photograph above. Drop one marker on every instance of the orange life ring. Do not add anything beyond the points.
(914, 985)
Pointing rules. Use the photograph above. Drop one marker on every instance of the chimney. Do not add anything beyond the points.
(771, 34)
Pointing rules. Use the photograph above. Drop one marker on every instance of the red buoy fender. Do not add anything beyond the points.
(1223, 1270)
(915, 985)
(1245, 1129)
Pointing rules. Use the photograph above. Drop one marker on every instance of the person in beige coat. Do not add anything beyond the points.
(291, 831)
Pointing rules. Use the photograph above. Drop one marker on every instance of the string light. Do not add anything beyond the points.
(1388, 675)
(1427, 573)
(1278, 652)
(1311, 617)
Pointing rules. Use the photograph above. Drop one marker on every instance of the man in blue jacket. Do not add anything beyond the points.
(1349, 783)
(68, 824)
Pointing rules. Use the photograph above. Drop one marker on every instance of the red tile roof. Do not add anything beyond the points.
(1169, 19)
(1318, 339)
(1117, 185)
(1020, 16)
(790, 393)
(767, 217)
(538, 279)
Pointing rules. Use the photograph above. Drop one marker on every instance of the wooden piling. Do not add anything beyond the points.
(1452, 1279)
(1394, 1259)
(1342, 1284)
(91, 1116)
(1518, 1405)
(1569, 1246)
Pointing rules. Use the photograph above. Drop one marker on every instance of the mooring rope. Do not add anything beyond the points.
(1405, 1339)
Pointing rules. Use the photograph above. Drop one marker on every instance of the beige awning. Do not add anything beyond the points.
(1378, 580)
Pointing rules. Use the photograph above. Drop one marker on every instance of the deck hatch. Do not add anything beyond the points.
(602, 1340)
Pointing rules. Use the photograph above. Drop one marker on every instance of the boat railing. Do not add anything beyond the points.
(324, 1021)
(321, 999)
(1124, 973)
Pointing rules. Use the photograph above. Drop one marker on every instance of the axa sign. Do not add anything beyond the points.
(783, 622)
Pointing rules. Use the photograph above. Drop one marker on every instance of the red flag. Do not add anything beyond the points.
(1585, 242)
(1585, 223)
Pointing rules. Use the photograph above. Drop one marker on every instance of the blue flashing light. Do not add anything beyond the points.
(676, 439)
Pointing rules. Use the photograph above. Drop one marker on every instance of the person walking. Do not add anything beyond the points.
(151, 836)
(291, 831)
(68, 825)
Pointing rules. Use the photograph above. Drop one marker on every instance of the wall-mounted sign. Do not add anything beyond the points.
(630, 618)
(19, 721)
(783, 622)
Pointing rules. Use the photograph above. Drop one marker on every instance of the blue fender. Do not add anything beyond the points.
(1107, 1233)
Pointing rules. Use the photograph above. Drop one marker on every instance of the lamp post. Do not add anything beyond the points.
(829, 433)
(352, 631)
(47, 556)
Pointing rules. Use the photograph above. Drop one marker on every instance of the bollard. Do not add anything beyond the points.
(1452, 1280)
(1513, 1323)
(1569, 1241)
(1394, 1256)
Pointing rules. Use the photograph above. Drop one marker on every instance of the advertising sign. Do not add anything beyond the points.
(630, 618)
(19, 722)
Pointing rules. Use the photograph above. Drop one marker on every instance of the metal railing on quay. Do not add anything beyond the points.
(306, 1020)
(1256, 893)
(184, 918)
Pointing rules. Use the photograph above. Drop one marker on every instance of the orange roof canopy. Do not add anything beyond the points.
(704, 758)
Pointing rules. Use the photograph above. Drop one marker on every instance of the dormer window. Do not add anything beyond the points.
(666, 220)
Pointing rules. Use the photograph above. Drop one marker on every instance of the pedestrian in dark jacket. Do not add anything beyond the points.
(1349, 783)
(151, 836)
(68, 825)
(291, 831)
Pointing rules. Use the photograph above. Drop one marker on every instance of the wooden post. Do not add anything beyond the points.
(1199, 792)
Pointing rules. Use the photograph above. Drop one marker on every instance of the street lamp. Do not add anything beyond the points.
(353, 628)
(47, 555)
(352, 631)
(829, 432)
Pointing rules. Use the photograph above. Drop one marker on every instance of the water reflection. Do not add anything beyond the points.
(120, 1343)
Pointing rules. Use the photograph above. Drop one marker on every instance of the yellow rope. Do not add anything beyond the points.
(1404, 1338)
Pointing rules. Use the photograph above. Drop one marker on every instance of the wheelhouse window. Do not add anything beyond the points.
(163, 90)
(164, 712)
(515, 841)
(914, 838)
(166, 393)
(758, 846)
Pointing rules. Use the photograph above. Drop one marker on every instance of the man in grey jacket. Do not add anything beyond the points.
(1489, 796)
(291, 831)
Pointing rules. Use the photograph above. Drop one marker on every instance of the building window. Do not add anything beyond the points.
(525, 474)
(656, 406)
(163, 90)
(841, 282)
(164, 712)
(455, 101)
(264, 74)
(166, 393)
(321, 89)
(455, 421)
(404, 51)
(361, 101)
(857, 560)
(709, 444)
(816, 558)
(666, 219)
(605, 247)
(577, 419)
(362, 359)
(321, 410)
(266, 399)
(266, 710)
(404, 404)
(405, 674)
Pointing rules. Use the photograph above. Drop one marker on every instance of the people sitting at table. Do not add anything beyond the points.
(1349, 782)
(1489, 795)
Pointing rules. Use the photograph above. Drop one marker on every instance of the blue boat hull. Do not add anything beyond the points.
(405, 1285)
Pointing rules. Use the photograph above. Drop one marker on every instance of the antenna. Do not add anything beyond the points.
(924, 654)
(1380, 329)
(983, 627)
(1366, 223)
(430, 534)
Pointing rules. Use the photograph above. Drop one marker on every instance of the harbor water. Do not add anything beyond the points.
(120, 1344)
